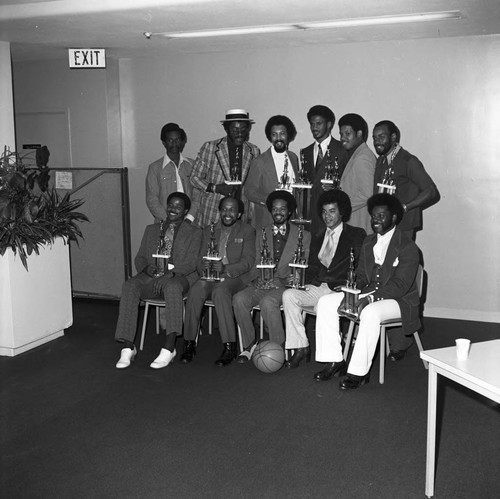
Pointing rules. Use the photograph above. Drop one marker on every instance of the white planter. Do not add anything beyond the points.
(35, 305)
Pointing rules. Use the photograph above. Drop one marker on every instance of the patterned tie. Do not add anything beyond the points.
(281, 229)
(319, 159)
(326, 256)
(169, 239)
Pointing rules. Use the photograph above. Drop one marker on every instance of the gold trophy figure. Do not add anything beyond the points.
(209, 273)
(234, 178)
(349, 307)
(301, 187)
(298, 265)
(387, 185)
(163, 249)
(266, 265)
(285, 182)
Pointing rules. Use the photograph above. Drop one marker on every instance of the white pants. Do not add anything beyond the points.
(293, 301)
(328, 345)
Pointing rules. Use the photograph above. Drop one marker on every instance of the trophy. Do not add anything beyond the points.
(349, 308)
(298, 265)
(285, 181)
(266, 265)
(301, 188)
(234, 178)
(387, 184)
(209, 273)
(332, 176)
(163, 249)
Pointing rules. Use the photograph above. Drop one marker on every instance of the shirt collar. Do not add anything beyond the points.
(324, 144)
(167, 160)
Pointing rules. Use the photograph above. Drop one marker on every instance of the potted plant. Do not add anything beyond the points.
(36, 224)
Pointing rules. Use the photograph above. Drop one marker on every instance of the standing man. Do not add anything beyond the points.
(169, 174)
(236, 246)
(266, 170)
(329, 259)
(282, 241)
(357, 179)
(386, 274)
(171, 286)
(414, 187)
(216, 162)
(321, 121)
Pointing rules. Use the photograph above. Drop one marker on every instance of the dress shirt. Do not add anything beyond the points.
(166, 161)
(324, 147)
(329, 245)
(380, 248)
(279, 164)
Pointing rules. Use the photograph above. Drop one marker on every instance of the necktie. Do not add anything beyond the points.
(169, 239)
(326, 256)
(281, 229)
(319, 159)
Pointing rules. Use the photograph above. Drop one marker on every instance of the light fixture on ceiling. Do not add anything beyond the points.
(306, 26)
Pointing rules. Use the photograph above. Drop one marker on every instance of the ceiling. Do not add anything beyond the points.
(44, 29)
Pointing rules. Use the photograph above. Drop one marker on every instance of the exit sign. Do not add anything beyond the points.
(87, 58)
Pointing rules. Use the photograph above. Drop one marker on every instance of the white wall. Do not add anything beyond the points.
(443, 93)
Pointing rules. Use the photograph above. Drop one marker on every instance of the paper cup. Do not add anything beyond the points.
(463, 347)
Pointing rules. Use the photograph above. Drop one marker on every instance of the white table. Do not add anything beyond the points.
(480, 372)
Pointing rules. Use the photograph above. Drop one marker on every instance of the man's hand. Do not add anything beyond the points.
(362, 304)
(272, 284)
(151, 270)
(224, 189)
(327, 187)
(218, 266)
(160, 281)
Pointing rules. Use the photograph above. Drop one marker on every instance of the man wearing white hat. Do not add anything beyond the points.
(221, 161)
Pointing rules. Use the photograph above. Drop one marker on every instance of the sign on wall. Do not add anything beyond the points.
(87, 58)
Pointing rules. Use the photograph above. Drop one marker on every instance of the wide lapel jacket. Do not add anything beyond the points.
(282, 268)
(395, 278)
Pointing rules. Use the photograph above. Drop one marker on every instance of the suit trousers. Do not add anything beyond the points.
(328, 340)
(141, 286)
(269, 301)
(221, 293)
(293, 301)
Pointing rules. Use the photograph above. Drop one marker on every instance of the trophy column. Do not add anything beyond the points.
(266, 265)
(301, 190)
(298, 265)
(209, 273)
(163, 249)
(349, 306)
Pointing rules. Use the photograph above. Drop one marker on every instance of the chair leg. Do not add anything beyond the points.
(261, 321)
(157, 319)
(382, 355)
(420, 347)
(210, 318)
(144, 324)
(240, 339)
(348, 340)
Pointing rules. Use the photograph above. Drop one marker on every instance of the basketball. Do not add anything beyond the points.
(268, 357)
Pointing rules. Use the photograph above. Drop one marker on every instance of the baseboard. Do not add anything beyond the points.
(462, 314)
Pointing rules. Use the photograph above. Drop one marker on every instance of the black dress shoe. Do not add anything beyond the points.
(333, 369)
(351, 381)
(189, 351)
(227, 355)
(299, 355)
(396, 355)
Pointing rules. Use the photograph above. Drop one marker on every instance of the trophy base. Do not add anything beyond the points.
(166, 257)
(327, 181)
(266, 266)
(233, 182)
(212, 258)
(212, 279)
(297, 286)
(353, 291)
(301, 221)
(390, 189)
(284, 188)
(353, 316)
(300, 186)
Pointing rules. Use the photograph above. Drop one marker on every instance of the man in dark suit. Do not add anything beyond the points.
(329, 259)
(386, 274)
(235, 241)
(315, 156)
(267, 170)
(282, 240)
(216, 163)
(179, 236)
(414, 187)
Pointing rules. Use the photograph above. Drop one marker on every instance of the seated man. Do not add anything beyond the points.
(236, 247)
(386, 273)
(282, 240)
(171, 286)
(328, 265)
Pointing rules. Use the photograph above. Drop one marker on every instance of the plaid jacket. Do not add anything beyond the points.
(212, 166)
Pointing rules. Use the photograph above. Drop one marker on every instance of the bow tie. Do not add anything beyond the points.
(281, 229)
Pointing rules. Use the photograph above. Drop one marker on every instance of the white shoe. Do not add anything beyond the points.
(126, 357)
(164, 359)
